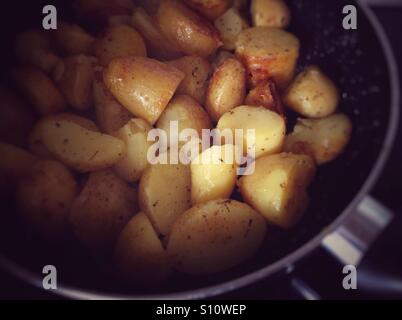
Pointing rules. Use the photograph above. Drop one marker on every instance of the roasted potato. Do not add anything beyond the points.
(227, 89)
(39, 90)
(186, 30)
(45, 196)
(197, 71)
(268, 53)
(103, 208)
(269, 129)
(140, 257)
(144, 86)
(215, 236)
(270, 13)
(15, 161)
(322, 139)
(266, 95)
(312, 94)
(277, 188)
(211, 9)
(119, 41)
(73, 40)
(164, 194)
(79, 148)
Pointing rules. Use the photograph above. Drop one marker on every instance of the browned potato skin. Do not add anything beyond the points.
(197, 71)
(119, 41)
(39, 90)
(102, 209)
(270, 13)
(73, 40)
(144, 86)
(186, 30)
(210, 9)
(266, 95)
(45, 197)
(227, 89)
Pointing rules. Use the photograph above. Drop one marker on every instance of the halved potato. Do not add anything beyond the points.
(268, 126)
(227, 89)
(266, 95)
(186, 30)
(144, 86)
(103, 208)
(322, 139)
(164, 194)
(215, 236)
(211, 9)
(277, 187)
(268, 53)
(73, 40)
(15, 161)
(270, 13)
(80, 148)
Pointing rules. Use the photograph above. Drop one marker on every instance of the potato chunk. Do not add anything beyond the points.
(73, 40)
(268, 53)
(312, 94)
(270, 13)
(144, 86)
(266, 95)
(322, 139)
(277, 188)
(215, 236)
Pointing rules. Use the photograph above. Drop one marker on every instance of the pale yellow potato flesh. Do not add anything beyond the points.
(270, 13)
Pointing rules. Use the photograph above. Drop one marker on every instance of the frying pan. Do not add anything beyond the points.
(342, 217)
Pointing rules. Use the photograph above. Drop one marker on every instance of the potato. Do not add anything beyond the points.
(322, 139)
(197, 71)
(73, 40)
(76, 81)
(268, 53)
(312, 94)
(227, 89)
(215, 236)
(277, 187)
(158, 45)
(164, 194)
(211, 9)
(270, 13)
(15, 161)
(266, 95)
(45, 197)
(36, 136)
(16, 119)
(39, 90)
(103, 208)
(34, 48)
(230, 25)
(140, 257)
(220, 58)
(119, 41)
(213, 174)
(79, 148)
(186, 30)
(144, 86)
(110, 114)
(188, 114)
(135, 161)
(269, 129)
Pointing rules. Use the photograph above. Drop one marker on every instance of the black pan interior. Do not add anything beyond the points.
(354, 59)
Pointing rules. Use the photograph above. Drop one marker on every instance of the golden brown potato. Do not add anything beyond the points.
(188, 114)
(322, 139)
(277, 187)
(134, 134)
(164, 194)
(269, 129)
(230, 25)
(197, 71)
(140, 257)
(76, 81)
(312, 94)
(45, 197)
(15, 161)
(79, 148)
(266, 95)
(73, 40)
(119, 41)
(158, 45)
(102, 209)
(186, 30)
(211, 9)
(144, 86)
(39, 90)
(270, 13)
(227, 89)
(213, 174)
(215, 236)
(268, 53)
